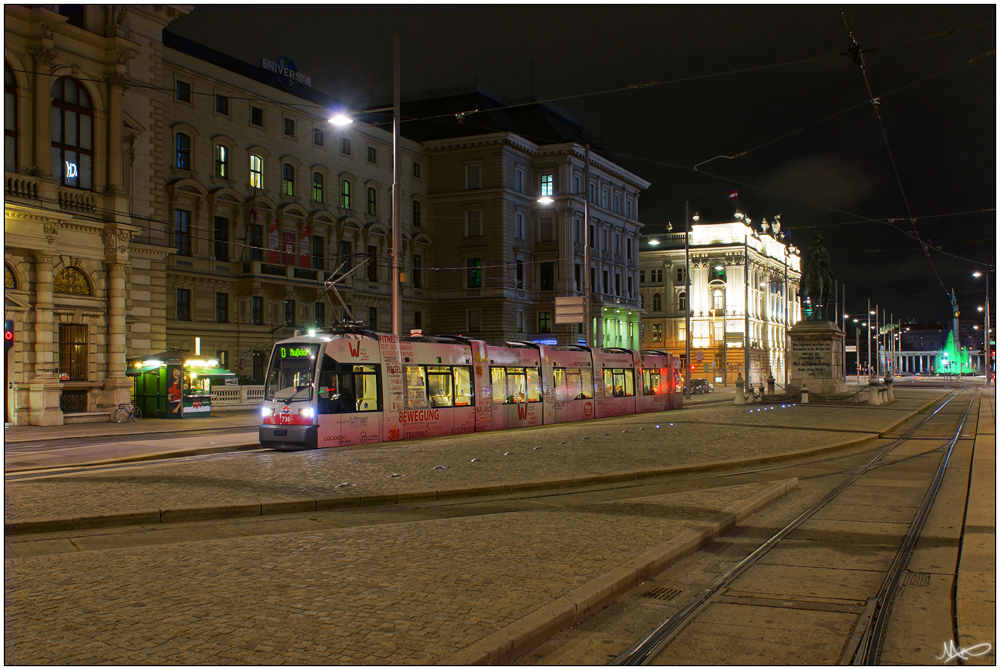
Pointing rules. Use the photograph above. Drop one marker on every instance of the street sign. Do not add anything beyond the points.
(698, 356)
(569, 310)
(851, 348)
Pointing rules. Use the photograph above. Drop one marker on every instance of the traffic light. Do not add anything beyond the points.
(8, 333)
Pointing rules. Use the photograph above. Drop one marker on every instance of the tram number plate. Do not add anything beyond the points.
(286, 418)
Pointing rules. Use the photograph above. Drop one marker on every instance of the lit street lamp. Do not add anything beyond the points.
(341, 119)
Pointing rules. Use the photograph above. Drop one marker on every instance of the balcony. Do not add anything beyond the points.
(28, 187)
(290, 272)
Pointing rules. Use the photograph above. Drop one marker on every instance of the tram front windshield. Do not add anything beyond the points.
(290, 375)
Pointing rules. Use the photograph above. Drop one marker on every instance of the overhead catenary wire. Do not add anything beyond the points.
(861, 219)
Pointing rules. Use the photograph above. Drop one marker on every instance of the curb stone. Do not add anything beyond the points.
(260, 508)
(520, 637)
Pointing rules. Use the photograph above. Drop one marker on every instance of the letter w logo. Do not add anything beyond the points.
(355, 350)
(522, 411)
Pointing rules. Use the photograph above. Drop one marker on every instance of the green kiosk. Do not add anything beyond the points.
(175, 385)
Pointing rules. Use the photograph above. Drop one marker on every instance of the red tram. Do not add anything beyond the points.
(352, 386)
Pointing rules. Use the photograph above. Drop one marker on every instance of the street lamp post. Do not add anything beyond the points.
(687, 299)
(986, 333)
(548, 200)
(397, 199)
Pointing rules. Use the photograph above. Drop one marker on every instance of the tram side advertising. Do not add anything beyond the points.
(361, 387)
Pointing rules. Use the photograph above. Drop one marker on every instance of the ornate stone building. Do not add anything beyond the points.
(80, 90)
(718, 298)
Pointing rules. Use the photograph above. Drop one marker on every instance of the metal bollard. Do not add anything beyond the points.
(805, 396)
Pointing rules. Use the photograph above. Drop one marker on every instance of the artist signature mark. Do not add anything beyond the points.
(952, 652)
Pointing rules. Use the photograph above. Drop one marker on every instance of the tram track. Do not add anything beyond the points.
(872, 613)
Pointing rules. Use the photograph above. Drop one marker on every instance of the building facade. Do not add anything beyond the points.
(161, 195)
(739, 276)
(504, 257)
(264, 203)
(81, 93)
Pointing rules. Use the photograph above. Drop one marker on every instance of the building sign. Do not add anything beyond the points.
(287, 74)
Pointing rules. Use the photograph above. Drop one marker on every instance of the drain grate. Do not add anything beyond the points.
(662, 593)
(917, 579)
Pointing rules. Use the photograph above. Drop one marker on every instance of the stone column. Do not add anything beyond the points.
(116, 90)
(44, 388)
(43, 116)
(117, 386)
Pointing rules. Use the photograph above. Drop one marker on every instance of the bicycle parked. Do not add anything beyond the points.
(126, 412)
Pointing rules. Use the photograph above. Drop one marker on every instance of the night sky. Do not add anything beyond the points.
(770, 88)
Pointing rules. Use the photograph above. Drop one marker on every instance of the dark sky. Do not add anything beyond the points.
(773, 81)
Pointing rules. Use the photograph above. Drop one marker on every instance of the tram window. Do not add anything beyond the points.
(651, 382)
(498, 377)
(366, 388)
(573, 383)
(439, 381)
(415, 381)
(290, 375)
(534, 385)
(463, 386)
(512, 385)
(618, 383)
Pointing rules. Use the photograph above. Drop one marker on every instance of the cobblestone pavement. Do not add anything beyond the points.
(625, 444)
(411, 593)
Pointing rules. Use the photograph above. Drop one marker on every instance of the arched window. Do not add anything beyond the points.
(221, 161)
(345, 194)
(72, 134)
(372, 202)
(287, 179)
(718, 299)
(256, 171)
(682, 301)
(71, 280)
(9, 120)
(416, 213)
(657, 302)
(317, 187)
(183, 151)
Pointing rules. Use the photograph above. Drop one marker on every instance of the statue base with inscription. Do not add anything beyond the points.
(816, 360)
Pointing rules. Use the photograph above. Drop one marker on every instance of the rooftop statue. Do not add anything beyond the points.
(817, 278)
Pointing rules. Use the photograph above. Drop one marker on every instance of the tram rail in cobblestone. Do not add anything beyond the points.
(864, 646)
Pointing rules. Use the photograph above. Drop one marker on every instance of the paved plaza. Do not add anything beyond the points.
(443, 590)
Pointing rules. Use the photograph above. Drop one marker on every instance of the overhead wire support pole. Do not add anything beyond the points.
(397, 201)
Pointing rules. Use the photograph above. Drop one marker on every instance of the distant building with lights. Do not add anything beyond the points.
(719, 295)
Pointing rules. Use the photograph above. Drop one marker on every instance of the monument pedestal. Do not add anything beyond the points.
(816, 360)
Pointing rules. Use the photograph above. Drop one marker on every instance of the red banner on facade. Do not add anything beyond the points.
(274, 243)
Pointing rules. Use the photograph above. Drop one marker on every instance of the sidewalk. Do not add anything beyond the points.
(606, 450)
(482, 589)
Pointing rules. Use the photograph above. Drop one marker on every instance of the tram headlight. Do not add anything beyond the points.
(266, 412)
(307, 412)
